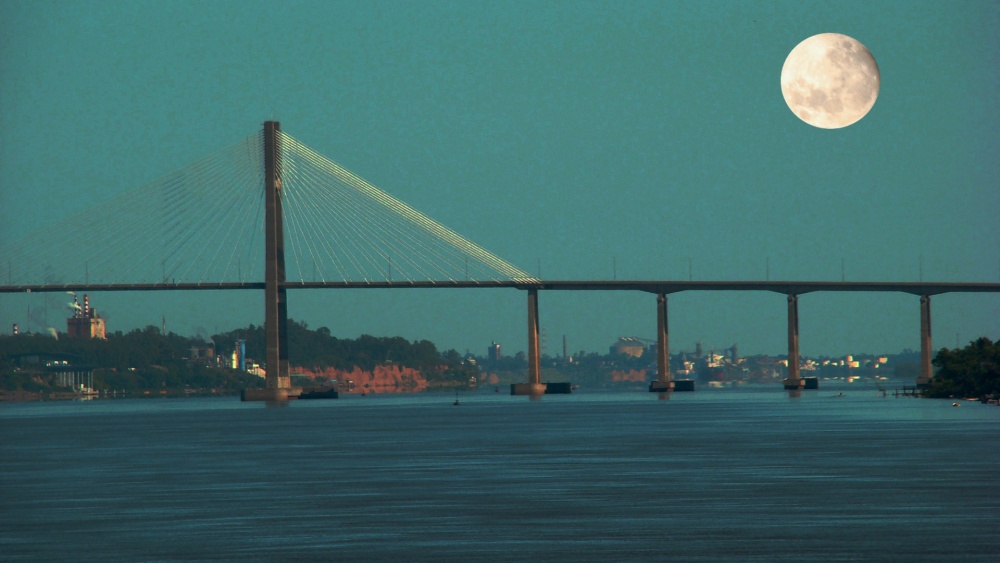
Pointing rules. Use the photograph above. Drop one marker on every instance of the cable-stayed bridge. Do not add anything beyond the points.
(317, 225)
(204, 225)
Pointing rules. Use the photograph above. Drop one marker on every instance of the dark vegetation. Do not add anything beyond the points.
(145, 361)
(318, 349)
(973, 371)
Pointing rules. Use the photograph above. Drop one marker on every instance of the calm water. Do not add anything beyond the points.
(746, 474)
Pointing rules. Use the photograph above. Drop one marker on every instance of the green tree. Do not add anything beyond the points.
(973, 371)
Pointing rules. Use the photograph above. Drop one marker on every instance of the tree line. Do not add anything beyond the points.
(147, 359)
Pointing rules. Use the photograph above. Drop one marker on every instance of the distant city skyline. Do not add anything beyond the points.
(578, 141)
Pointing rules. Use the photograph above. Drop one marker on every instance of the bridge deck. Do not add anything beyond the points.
(649, 286)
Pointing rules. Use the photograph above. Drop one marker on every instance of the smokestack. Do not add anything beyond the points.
(15, 329)
(564, 348)
(86, 306)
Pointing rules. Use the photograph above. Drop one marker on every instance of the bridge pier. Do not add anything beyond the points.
(534, 386)
(926, 370)
(663, 383)
(793, 381)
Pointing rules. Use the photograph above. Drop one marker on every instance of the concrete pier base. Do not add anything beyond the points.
(661, 386)
(683, 385)
(271, 394)
(319, 393)
(527, 388)
(794, 383)
(560, 388)
(810, 383)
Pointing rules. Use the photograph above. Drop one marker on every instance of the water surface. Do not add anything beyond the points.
(747, 474)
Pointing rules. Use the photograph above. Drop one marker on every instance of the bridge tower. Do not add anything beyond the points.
(278, 385)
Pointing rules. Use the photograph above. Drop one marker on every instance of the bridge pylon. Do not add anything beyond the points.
(277, 382)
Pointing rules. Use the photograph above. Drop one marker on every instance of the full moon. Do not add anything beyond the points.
(830, 80)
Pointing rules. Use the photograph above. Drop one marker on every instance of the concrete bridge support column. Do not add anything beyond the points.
(926, 370)
(277, 383)
(663, 383)
(794, 381)
(534, 386)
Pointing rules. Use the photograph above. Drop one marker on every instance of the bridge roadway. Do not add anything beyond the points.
(649, 286)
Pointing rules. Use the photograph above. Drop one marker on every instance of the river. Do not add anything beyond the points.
(746, 474)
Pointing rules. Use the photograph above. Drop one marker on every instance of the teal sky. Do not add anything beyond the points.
(577, 140)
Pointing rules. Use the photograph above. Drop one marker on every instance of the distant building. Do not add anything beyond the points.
(239, 357)
(493, 352)
(85, 322)
(628, 346)
(204, 354)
